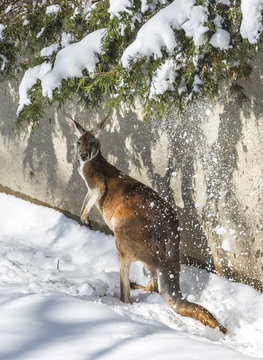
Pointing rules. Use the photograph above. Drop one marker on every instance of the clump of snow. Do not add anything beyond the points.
(25, 22)
(117, 6)
(59, 296)
(2, 28)
(158, 32)
(144, 6)
(194, 27)
(220, 39)
(4, 61)
(251, 25)
(226, 245)
(8, 9)
(40, 32)
(72, 60)
(52, 9)
(163, 79)
(219, 230)
(225, 2)
(66, 39)
(49, 50)
(29, 80)
(197, 82)
(87, 10)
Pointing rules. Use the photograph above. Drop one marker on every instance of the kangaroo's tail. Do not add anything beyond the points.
(194, 311)
(169, 289)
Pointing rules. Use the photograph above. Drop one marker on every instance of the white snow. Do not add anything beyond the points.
(144, 6)
(157, 33)
(75, 311)
(194, 27)
(25, 22)
(52, 9)
(29, 80)
(40, 32)
(251, 25)
(219, 230)
(66, 39)
(220, 39)
(197, 82)
(225, 2)
(49, 50)
(72, 60)
(164, 77)
(117, 6)
(4, 61)
(2, 28)
(9, 8)
(226, 245)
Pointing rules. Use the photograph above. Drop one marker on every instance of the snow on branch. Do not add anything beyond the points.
(31, 76)
(157, 33)
(251, 25)
(181, 44)
(117, 6)
(72, 60)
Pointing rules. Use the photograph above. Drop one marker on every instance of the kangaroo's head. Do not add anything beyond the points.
(88, 144)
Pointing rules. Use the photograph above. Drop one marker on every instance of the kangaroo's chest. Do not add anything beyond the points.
(81, 173)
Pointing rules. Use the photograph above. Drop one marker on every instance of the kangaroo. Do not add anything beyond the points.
(145, 227)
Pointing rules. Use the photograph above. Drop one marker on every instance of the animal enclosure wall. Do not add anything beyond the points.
(208, 162)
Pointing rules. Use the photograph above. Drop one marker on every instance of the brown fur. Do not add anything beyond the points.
(145, 227)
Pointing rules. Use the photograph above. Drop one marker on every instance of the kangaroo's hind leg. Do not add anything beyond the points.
(124, 279)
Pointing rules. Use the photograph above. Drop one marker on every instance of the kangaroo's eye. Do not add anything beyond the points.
(78, 142)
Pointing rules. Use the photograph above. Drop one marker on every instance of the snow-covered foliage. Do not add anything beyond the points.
(163, 80)
(29, 80)
(72, 60)
(157, 34)
(251, 26)
(117, 6)
(165, 52)
(59, 297)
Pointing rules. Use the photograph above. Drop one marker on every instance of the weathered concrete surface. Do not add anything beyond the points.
(209, 161)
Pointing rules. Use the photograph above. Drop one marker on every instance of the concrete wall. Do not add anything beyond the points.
(209, 161)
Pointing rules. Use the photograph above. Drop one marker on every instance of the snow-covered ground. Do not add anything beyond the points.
(59, 298)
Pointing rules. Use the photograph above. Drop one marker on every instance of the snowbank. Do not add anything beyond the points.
(59, 296)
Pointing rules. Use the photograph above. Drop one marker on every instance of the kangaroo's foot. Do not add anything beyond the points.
(152, 286)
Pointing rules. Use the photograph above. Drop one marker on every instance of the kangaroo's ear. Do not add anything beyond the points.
(100, 126)
(75, 126)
